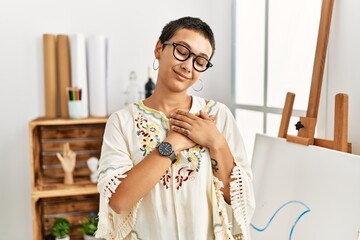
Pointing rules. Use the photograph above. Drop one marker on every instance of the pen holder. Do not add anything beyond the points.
(75, 109)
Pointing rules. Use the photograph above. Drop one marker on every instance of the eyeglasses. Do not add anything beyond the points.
(183, 53)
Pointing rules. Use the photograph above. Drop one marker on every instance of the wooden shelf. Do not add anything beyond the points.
(66, 121)
(52, 198)
(71, 191)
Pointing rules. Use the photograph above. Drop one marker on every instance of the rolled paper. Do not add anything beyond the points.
(50, 88)
(64, 72)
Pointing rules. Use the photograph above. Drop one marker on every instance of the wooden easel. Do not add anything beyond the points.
(306, 125)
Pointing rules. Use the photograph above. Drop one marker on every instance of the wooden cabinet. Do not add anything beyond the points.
(50, 197)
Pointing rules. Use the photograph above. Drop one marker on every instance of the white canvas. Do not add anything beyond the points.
(304, 192)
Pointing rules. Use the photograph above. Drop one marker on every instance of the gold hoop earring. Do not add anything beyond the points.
(154, 62)
(202, 86)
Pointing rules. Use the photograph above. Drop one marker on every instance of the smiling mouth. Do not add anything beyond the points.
(181, 75)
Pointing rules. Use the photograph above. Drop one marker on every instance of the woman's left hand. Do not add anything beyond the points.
(199, 128)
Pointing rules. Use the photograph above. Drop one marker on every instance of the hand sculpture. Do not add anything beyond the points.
(67, 160)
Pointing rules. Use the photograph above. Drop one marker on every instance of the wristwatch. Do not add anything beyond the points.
(166, 149)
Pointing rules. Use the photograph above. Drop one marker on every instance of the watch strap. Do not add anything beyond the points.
(172, 157)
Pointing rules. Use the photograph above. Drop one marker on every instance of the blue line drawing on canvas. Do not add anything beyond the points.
(278, 210)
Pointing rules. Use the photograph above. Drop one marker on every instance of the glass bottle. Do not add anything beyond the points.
(150, 85)
(133, 91)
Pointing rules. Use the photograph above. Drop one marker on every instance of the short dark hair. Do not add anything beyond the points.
(190, 23)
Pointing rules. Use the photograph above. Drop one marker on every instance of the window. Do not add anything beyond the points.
(275, 44)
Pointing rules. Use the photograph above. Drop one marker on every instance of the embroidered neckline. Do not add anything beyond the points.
(209, 106)
(156, 114)
(140, 104)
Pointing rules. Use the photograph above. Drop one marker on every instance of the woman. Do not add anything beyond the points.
(172, 164)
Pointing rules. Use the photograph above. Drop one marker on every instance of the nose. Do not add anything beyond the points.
(187, 64)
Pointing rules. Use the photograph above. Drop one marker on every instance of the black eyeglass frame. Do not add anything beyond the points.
(208, 65)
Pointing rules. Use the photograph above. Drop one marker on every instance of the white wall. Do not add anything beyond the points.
(344, 66)
(133, 28)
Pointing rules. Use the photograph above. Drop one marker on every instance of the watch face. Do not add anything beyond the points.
(165, 149)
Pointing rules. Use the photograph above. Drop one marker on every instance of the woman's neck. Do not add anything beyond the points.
(169, 103)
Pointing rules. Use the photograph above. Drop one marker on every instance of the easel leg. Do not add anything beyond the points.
(286, 115)
(341, 123)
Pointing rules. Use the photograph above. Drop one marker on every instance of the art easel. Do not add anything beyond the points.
(306, 125)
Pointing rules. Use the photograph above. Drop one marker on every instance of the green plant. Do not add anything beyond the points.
(89, 225)
(60, 228)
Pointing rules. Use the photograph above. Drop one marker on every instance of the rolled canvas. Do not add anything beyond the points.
(79, 70)
(97, 70)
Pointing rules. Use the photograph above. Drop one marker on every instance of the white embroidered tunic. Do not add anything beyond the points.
(187, 202)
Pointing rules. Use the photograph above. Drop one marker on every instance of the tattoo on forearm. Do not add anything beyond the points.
(214, 165)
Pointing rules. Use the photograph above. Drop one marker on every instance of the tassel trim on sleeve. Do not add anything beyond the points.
(111, 225)
(239, 201)
(225, 232)
(239, 205)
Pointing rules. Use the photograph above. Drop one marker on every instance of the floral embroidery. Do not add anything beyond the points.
(194, 156)
(148, 134)
(183, 175)
(189, 165)
(166, 179)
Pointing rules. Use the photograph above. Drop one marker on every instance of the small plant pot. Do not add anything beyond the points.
(89, 237)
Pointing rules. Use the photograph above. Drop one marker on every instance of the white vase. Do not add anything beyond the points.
(88, 237)
(65, 238)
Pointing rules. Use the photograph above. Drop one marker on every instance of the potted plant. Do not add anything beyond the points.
(61, 229)
(89, 226)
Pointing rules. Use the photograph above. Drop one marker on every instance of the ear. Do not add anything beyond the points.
(157, 49)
